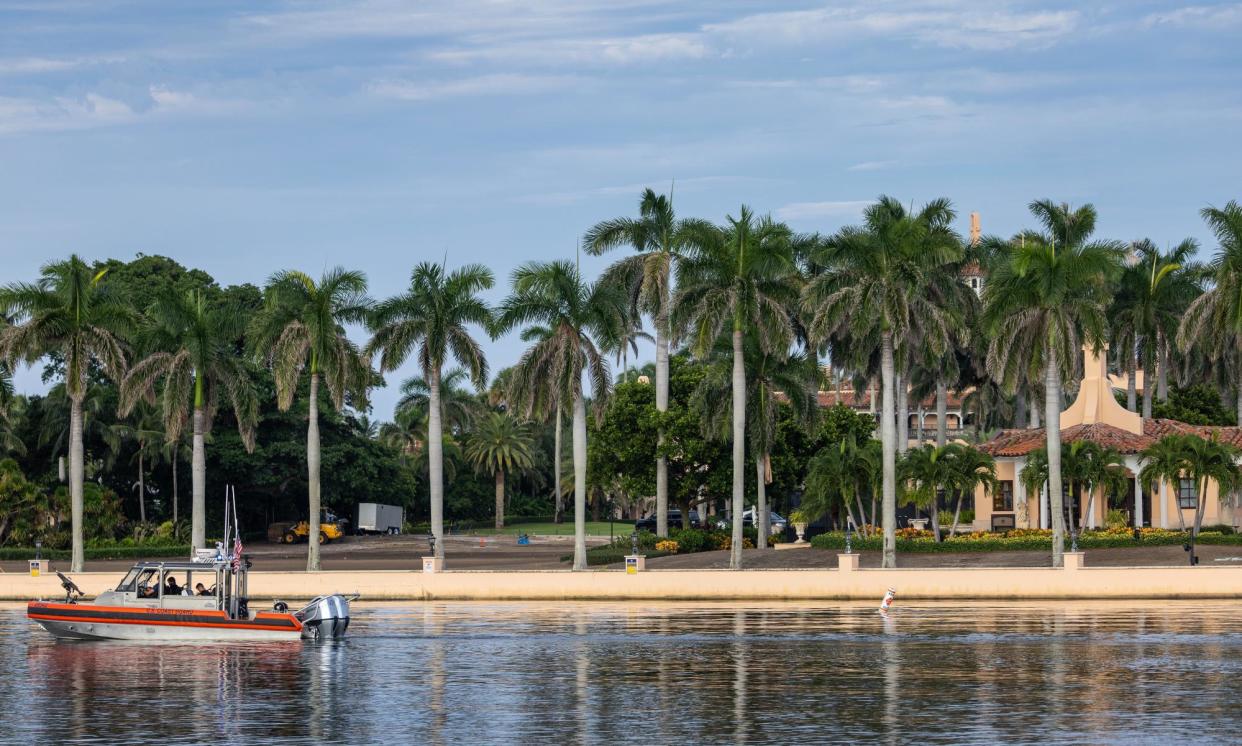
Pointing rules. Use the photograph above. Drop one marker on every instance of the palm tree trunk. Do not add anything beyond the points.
(661, 396)
(174, 481)
(903, 414)
(1035, 414)
(1148, 391)
(556, 469)
(1052, 413)
(957, 515)
(77, 475)
(500, 499)
(935, 517)
(1131, 387)
(198, 484)
(435, 452)
(1019, 409)
(739, 447)
(942, 413)
(312, 476)
(761, 505)
(1162, 391)
(580, 466)
(142, 489)
(871, 523)
(888, 438)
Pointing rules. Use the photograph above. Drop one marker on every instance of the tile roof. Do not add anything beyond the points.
(1022, 442)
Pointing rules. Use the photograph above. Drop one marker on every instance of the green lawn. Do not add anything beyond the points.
(593, 528)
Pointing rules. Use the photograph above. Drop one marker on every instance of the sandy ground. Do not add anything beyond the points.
(544, 553)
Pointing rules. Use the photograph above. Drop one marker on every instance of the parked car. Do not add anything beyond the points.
(775, 521)
(674, 521)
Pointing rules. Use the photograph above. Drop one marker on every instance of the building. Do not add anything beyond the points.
(1096, 416)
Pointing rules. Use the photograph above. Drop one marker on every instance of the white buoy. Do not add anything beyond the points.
(888, 599)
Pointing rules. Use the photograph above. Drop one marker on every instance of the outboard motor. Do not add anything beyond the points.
(325, 617)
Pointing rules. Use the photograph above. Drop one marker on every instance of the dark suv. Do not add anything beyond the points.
(674, 521)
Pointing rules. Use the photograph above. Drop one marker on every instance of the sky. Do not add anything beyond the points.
(247, 137)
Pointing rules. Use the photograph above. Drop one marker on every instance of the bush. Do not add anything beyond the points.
(99, 552)
(1116, 519)
(691, 540)
(666, 545)
(1027, 539)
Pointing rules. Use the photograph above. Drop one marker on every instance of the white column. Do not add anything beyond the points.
(1164, 504)
(1019, 494)
(1044, 510)
(1138, 502)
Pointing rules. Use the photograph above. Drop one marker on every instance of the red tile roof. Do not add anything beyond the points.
(1022, 442)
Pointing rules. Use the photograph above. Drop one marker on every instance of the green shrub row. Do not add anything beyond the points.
(97, 553)
(1019, 543)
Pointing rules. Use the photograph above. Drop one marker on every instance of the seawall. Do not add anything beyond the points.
(711, 585)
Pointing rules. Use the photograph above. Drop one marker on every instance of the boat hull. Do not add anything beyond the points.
(89, 622)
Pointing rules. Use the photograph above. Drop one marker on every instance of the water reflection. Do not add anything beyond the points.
(653, 673)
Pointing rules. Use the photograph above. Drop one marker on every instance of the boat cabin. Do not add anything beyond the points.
(147, 585)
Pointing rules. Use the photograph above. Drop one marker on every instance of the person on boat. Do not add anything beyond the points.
(147, 591)
(201, 590)
(170, 587)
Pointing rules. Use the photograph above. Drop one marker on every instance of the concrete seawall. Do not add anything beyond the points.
(712, 585)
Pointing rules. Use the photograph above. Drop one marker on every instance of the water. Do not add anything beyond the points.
(539, 673)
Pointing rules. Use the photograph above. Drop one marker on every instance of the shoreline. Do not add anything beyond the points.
(927, 584)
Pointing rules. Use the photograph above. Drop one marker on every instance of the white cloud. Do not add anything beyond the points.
(871, 166)
(62, 113)
(625, 50)
(804, 210)
(170, 101)
(1199, 16)
(500, 84)
(37, 65)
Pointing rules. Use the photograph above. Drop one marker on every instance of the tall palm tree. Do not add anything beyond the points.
(1040, 308)
(194, 360)
(972, 469)
(741, 274)
(460, 405)
(145, 429)
(883, 281)
(498, 445)
(927, 471)
(659, 240)
(68, 312)
(1175, 457)
(302, 329)
(433, 318)
(771, 377)
(575, 319)
(1213, 322)
(837, 476)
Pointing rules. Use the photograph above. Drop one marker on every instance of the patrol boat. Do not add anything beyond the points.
(145, 607)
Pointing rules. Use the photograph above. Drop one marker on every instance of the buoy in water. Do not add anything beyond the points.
(888, 599)
(482, 541)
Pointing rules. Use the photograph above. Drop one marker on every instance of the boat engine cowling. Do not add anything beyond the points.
(325, 617)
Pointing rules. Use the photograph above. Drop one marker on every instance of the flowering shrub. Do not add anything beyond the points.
(666, 545)
(746, 543)
(914, 533)
(1026, 539)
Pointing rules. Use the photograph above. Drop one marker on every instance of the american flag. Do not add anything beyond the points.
(237, 552)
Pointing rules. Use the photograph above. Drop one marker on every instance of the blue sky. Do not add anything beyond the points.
(245, 137)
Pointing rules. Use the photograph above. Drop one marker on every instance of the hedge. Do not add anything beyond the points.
(1001, 543)
(97, 553)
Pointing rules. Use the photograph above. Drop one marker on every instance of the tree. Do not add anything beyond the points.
(498, 445)
(927, 471)
(575, 319)
(194, 359)
(1184, 456)
(1040, 308)
(971, 469)
(742, 274)
(301, 329)
(1213, 322)
(839, 473)
(68, 313)
(774, 379)
(434, 317)
(461, 406)
(1085, 467)
(659, 240)
(883, 281)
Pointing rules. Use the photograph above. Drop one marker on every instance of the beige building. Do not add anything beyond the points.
(1096, 416)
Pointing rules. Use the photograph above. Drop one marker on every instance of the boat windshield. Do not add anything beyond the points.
(141, 580)
(127, 583)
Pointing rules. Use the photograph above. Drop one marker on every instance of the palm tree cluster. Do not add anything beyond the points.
(764, 309)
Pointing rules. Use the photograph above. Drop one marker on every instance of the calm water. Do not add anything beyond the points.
(654, 673)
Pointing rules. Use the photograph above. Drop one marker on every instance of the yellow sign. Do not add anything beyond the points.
(631, 565)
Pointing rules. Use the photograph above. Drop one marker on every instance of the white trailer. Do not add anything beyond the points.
(374, 518)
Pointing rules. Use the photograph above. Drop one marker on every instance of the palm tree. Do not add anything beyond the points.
(771, 376)
(1175, 457)
(1040, 307)
(146, 431)
(1213, 322)
(883, 281)
(500, 444)
(575, 320)
(972, 470)
(659, 240)
(433, 317)
(460, 405)
(742, 274)
(301, 329)
(1085, 467)
(927, 471)
(69, 313)
(195, 361)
